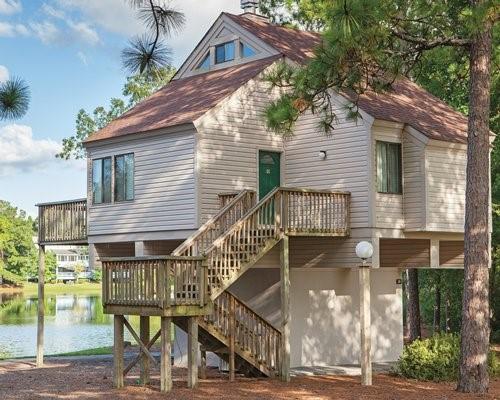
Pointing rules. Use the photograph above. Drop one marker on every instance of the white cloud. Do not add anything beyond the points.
(79, 31)
(4, 74)
(47, 32)
(83, 58)
(84, 32)
(20, 152)
(10, 6)
(11, 30)
(51, 11)
(115, 16)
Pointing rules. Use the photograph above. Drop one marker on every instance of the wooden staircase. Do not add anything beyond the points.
(235, 240)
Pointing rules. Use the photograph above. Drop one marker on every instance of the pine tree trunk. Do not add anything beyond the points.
(473, 371)
(413, 313)
(437, 307)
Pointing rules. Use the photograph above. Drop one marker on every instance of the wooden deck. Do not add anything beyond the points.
(63, 222)
(155, 286)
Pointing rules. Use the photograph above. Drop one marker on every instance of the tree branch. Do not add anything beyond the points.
(425, 44)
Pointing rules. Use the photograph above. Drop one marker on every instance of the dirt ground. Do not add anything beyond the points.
(92, 379)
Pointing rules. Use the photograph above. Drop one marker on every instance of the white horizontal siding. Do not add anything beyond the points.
(414, 182)
(345, 167)
(164, 185)
(229, 138)
(446, 177)
(388, 207)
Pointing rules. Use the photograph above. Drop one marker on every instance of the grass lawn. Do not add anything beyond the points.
(89, 352)
(61, 288)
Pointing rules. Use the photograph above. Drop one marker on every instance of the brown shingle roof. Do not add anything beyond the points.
(407, 102)
(182, 101)
(410, 104)
(297, 45)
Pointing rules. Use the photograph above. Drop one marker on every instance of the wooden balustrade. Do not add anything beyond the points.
(282, 211)
(234, 209)
(158, 282)
(254, 336)
(315, 212)
(226, 198)
(62, 222)
(246, 239)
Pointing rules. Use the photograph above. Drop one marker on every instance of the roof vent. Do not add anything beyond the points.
(250, 6)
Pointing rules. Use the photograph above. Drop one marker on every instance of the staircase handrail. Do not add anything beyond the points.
(211, 225)
(245, 217)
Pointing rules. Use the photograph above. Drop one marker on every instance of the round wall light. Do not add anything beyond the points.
(364, 250)
(322, 155)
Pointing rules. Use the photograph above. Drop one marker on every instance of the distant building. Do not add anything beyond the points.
(72, 263)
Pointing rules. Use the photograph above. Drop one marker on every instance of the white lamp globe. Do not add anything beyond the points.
(364, 250)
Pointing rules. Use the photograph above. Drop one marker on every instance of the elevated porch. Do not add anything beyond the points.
(62, 223)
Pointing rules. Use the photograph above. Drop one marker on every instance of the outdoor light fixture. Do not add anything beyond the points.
(364, 250)
(322, 155)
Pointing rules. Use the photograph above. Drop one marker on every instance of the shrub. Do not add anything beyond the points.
(436, 359)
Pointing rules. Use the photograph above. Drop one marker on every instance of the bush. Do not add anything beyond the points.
(436, 359)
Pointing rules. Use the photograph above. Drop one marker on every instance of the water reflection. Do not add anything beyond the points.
(73, 322)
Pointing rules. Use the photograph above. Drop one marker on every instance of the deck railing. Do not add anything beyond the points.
(62, 222)
(232, 211)
(255, 337)
(159, 282)
(307, 211)
(283, 210)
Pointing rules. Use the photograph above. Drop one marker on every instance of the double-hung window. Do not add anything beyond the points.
(224, 52)
(389, 168)
(101, 180)
(105, 177)
(124, 177)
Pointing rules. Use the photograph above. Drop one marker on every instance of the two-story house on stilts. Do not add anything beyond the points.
(245, 240)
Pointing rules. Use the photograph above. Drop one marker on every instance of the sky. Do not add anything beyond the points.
(68, 52)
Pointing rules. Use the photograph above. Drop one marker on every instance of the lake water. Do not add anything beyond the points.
(72, 322)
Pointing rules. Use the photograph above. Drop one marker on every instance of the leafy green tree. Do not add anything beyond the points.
(136, 89)
(367, 44)
(18, 253)
(50, 266)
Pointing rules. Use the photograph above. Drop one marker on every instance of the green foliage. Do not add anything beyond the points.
(50, 266)
(97, 275)
(18, 253)
(367, 43)
(136, 89)
(14, 99)
(450, 282)
(10, 277)
(435, 359)
(148, 53)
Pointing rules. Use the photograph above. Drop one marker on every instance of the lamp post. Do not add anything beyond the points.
(364, 250)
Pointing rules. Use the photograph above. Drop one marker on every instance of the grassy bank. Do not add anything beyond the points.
(98, 351)
(58, 288)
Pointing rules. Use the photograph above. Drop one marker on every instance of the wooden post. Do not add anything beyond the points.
(144, 334)
(285, 310)
(365, 325)
(232, 338)
(166, 354)
(41, 306)
(192, 352)
(118, 351)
